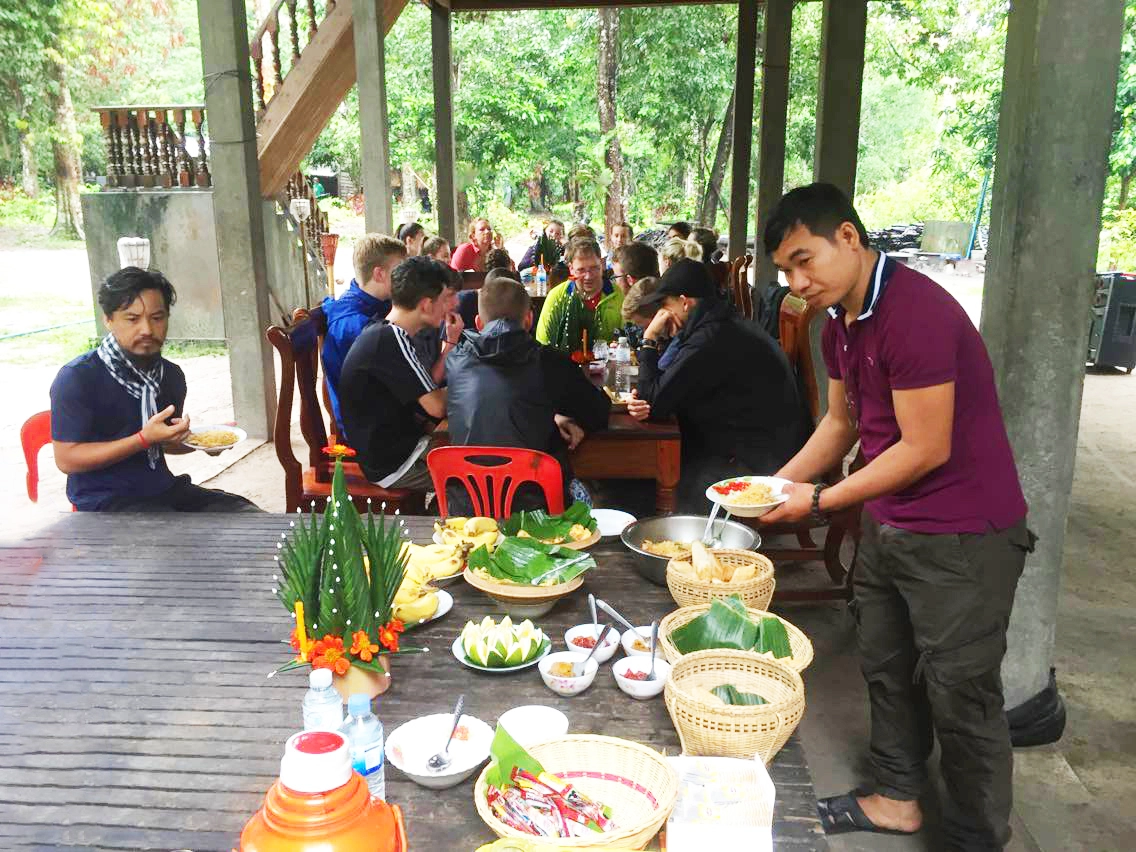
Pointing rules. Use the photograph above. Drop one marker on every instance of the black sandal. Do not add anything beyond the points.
(843, 815)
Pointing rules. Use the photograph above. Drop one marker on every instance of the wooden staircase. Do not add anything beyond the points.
(296, 99)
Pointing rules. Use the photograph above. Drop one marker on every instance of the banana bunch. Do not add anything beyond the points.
(416, 600)
(468, 533)
(436, 561)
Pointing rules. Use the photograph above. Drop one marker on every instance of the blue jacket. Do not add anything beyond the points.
(347, 316)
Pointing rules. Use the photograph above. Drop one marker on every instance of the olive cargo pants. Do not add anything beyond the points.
(931, 614)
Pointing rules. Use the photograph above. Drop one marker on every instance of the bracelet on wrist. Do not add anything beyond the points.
(816, 514)
(142, 438)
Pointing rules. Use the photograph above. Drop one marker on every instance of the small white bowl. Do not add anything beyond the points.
(641, 689)
(567, 686)
(605, 652)
(532, 724)
(643, 633)
(412, 744)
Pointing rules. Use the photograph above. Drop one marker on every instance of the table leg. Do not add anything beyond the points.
(667, 475)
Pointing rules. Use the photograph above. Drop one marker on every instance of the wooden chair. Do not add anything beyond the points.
(298, 346)
(741, 294)
(720, 273)
(795, 322)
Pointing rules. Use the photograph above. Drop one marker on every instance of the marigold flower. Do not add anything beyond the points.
(294, 640)
(388, 635)
(362, 646)
(341, 451)
(334, 659)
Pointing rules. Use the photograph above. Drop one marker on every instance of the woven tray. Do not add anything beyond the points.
(756, 593)
(799, 643)
(636, 782)
(706, 728)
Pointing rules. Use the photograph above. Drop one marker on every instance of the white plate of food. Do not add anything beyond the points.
(748, 496)
(445, 604)
(545, 649)
(214, 438)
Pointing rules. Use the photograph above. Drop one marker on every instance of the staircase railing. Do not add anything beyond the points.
(270, 66)
(155, 146)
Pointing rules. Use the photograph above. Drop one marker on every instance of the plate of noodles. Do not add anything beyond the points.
(748, 496)
(214, 439)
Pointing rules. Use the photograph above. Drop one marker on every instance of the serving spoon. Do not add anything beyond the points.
(441, 760)
(654, 645)
(604, 606)
(576, 671)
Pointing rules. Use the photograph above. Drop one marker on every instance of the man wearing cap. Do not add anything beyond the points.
(730, 386)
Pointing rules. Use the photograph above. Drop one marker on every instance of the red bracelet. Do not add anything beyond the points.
(142, 438)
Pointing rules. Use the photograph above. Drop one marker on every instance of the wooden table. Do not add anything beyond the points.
(135, 712)
(633, 449)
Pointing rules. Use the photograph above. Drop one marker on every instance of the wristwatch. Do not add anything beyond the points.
(649, 344)
(816, 514)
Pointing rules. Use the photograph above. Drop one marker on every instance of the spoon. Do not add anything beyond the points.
(654, 644)
(706, 537)
(441, 760)
(576, 671)
(592, 609)
(603, 605)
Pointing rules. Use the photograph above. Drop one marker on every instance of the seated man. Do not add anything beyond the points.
(374, 258)
(621, 235)
(433, 344)
(633, 261)
(584, 303)
(506, 390)
(730, 386)
(117, 410)
(389, 401)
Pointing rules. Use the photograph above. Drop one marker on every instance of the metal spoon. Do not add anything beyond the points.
(707, 539)
(592, 609)
(603, 605)
(603, 635)
(441, 760)
(654, 644)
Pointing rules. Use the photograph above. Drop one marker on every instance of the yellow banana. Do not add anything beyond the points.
(456, 524)
(418, 610)
(476, 526)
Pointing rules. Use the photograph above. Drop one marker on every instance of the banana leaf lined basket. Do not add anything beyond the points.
(756, 592)
(710, 728)
(799, 644)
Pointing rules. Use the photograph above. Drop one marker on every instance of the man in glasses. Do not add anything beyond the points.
(944, 535)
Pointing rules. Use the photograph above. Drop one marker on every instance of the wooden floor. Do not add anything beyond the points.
(135, 712)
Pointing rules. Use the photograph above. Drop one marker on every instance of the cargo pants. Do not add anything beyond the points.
(931, 614)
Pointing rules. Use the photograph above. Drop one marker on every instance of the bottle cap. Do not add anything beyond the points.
(319, 678)
(359, 704)
(315, 762)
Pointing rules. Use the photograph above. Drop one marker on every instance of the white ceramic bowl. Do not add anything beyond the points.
(605, 652)
(531, 724)
(412, 744)
(775, 484)
(567, 686)
(641, 689)
(643, 633)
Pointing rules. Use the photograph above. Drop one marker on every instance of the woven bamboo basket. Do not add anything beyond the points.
(712, 729)
(799, 643)
(756, 592)
(636, 782)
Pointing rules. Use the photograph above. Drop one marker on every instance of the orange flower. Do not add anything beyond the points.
(334, 659)
(388, 635)
(362, 647)
(341, 451)
(294, 640)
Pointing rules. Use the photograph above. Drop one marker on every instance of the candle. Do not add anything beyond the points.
(585, 344)
(301, 630)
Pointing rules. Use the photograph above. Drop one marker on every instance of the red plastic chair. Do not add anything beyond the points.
(35, 434)
(491, 487)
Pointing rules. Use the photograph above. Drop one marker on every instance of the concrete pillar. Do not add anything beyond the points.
(777, 36)
(839, 86)
(237, 211)
(371, 78)
(743, 127)
(446, 197)
(1049, 182)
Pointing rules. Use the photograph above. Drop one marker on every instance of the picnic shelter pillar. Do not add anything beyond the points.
(238, 211)
(1052, 162)
(841, 81)
(777, 36)
(743, 127)
(445, 196)
(371, 78)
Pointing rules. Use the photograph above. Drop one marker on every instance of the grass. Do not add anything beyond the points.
(26, 222)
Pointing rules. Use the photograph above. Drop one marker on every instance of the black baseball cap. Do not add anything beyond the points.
(686, 277)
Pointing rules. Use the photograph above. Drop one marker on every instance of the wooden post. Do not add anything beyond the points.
(370, 76)
(777, 35)
(446, 196)
(743, 127)
(840, 86)
(238, 211)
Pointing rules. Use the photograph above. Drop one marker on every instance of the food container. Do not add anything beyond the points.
(775, 484)
(605, 652)
(730, 534)
(568, 686)
(521, 601)
(530, 724)
(799, 643)
(641, 689)
(756, 592)
(412, 744)
(627, 640)
(723, 803)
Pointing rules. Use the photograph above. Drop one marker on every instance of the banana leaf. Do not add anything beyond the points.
(727, 625)
(730, 694)
(773, 637)
(522, 560)
(539, 524)
(506, 754)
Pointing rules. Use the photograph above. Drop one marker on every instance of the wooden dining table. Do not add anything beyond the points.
(136, 711)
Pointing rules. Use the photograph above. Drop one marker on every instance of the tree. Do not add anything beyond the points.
(1122, 158)
(606, 79)
(712, 198)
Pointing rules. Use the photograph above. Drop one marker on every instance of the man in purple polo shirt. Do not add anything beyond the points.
(944, 536)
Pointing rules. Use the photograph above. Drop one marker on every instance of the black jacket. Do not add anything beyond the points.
(733, 392)
(504, 389)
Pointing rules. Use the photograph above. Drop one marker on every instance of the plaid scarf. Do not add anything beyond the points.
(142, 385)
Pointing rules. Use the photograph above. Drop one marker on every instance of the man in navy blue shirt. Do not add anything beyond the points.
(117, 410)
(375, 256)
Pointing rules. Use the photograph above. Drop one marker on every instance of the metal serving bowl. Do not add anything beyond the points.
(729, 534)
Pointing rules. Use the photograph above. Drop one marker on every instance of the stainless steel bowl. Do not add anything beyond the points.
(730, 534)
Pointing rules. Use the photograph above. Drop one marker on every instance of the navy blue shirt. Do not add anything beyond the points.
(89, 406)
(347, 316)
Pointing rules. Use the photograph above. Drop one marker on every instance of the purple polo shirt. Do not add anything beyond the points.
(913, 334)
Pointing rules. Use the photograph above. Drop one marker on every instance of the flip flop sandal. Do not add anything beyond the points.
(843, 814)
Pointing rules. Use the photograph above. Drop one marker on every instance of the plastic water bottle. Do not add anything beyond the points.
(323, 708)
(599, 351)
(541, 280)
(364, 734)
(623, 366)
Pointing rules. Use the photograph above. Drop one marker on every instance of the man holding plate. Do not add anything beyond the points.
(944, 535)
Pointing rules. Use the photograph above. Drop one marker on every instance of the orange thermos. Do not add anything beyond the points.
(320, 803)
